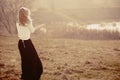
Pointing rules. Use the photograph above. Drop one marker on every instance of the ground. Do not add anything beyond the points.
(64, 59)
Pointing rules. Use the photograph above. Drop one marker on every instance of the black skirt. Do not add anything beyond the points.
(31, 65)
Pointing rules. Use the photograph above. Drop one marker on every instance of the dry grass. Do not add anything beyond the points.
(64, 59)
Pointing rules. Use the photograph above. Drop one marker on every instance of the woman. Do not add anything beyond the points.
(32, 68)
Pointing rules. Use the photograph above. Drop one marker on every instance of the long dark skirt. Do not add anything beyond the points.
(32, 68)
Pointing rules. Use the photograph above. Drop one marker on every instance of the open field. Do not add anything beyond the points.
(65, 59)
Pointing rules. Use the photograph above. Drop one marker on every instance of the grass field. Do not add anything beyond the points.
(64, 59)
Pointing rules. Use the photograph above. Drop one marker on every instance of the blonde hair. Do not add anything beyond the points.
(24, 16)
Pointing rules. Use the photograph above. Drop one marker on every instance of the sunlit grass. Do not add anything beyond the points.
(65, 59)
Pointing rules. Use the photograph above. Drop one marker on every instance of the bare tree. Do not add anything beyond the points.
(8, 13)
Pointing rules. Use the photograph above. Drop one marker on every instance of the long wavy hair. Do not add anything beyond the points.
(24, 16)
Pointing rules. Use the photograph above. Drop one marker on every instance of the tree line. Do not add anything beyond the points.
(63, 31)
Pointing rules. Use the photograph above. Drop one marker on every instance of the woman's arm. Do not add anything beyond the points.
(32, 29)
(40, 26)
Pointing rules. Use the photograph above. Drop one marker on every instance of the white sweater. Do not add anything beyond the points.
(25, 31)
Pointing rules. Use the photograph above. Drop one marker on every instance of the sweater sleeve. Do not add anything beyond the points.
(31, 28)
(17, 26)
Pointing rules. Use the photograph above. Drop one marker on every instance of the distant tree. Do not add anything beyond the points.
(8, 13)
(8, 10)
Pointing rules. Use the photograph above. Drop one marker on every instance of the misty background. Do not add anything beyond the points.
(79, 19)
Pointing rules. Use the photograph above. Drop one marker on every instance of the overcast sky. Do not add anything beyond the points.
(74, 4)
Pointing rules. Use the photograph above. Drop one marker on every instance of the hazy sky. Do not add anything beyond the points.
(68, 4)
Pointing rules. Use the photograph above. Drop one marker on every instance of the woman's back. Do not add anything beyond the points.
(25, 31)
